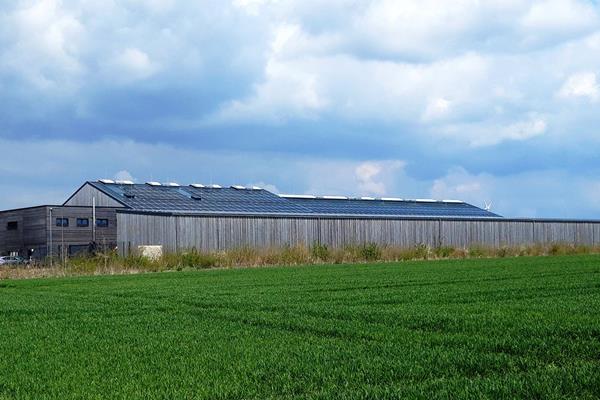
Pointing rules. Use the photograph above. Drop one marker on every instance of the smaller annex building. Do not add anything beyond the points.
(125, 215)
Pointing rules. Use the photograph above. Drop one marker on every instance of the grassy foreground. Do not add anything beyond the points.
(499, 328)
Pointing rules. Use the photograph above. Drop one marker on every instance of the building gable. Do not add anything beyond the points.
(85, 194)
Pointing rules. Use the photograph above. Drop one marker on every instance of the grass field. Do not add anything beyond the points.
(526, 327)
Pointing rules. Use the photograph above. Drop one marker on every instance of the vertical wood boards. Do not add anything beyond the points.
(218, 233)
(85, 195)
(34, 229)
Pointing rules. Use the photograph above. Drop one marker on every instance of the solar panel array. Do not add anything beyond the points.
(369, 207)
(253, 201)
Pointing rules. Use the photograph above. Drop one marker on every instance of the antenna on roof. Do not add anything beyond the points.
(488, 206)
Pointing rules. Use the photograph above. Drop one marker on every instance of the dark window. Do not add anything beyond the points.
(64, 222)
(83, 222)
(12, 226)
(102, 223)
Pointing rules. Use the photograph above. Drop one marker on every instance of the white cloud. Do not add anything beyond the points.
(490, 133)
(559, 16)
(582, 84)
(518, 131)
(436, 108)
(252, 7)
(133, 64)
(376, 178)
(46, 46)
(288, 89)
(124, 175)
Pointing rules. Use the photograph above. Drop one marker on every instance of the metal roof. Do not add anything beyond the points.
(213, 199)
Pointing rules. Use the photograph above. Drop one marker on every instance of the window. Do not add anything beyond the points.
(64, 222)
(12, 226)
(83, 222)
(102, 223)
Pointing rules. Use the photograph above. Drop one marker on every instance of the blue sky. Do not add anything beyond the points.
(477, 100)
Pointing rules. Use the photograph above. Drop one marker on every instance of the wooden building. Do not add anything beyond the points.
(212, 217)
(58, 230)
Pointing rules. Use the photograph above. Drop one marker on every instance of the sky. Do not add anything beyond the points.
(483, 101)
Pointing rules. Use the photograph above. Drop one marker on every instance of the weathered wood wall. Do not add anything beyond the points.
(85, 197)
(34, 229)
(216, 233)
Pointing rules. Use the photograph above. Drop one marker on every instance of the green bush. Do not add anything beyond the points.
(422, 251)
(370, 252)
(444, 251)
(320, 252)
(194, 259)
(477, 251)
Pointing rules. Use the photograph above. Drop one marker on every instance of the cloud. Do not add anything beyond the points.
(436, 108)
(371, 176)
(493, 132)
(133, 64)
(282, 92)
(124, 175)
(45, 46)
(582, 84)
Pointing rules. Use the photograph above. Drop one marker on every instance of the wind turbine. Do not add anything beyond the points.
(488, 206)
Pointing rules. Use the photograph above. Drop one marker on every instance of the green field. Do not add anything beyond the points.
(513, 328)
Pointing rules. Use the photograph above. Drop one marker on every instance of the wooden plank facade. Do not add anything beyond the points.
(182, 232)
(85, 195)
(34, 230)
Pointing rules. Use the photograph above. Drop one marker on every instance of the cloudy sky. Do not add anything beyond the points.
(478, 100)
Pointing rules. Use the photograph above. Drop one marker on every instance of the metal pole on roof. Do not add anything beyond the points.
(94, 219)
(62, 234)
(51, 251)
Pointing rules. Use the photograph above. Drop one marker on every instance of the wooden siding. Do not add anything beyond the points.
(85, 195)
(217, 233)
(34, 233)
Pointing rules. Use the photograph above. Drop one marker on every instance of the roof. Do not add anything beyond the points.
(238, 200)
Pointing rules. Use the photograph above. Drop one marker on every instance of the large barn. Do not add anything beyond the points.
(210, 217)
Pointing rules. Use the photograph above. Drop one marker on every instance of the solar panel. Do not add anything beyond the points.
(231, 200)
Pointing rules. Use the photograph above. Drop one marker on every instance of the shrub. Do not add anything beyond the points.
(370, 252)
(194, 259)
(319, 252)
(294, 255)
(478, 251)
(444, 251)
(557, 249)
(422, 251)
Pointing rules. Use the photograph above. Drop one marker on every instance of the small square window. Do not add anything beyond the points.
(63, 222)
(102, 223)
(83, 222)
(12, 226)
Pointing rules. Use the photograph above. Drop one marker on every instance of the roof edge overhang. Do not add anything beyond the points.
(51, 206)
(298, 215)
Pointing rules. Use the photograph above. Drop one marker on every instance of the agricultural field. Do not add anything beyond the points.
(526, 327)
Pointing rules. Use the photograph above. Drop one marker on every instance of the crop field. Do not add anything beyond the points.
(526, 327)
